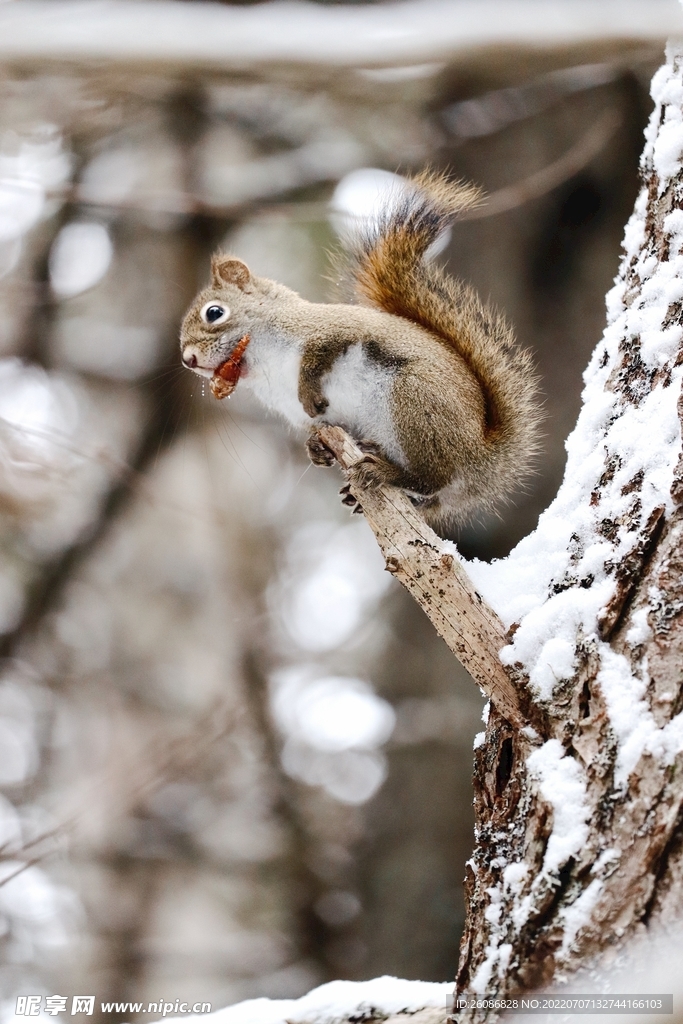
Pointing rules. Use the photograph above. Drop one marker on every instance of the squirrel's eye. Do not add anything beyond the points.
(215, 313)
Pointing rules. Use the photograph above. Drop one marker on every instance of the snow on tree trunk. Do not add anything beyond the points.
(579, 834)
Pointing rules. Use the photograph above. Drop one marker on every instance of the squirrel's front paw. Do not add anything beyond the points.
(368, 473)
(319, 453)
(315, 404)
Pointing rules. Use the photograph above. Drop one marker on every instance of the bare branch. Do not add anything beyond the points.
(508, 198)
(552, 176)
(420, 561)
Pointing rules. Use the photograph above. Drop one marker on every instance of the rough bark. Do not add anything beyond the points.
(579, 819)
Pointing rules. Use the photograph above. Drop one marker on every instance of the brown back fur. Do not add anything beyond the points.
(389, 272)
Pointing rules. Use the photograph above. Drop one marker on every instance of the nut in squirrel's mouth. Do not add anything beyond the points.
(225, 376)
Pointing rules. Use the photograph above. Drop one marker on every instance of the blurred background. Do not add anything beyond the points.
(235, 758)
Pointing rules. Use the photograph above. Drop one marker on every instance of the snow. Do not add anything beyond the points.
(336, 1001)
(567, 550)
(666, 139)
(498, 957)
(630, 716)
(667, 743)
(579, 913)
(480, 982)
(558, 579)
(561, 782)
(639, 631)
(202, 35)
(514, 876)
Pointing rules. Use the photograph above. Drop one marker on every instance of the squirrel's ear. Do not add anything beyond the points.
(228, 270)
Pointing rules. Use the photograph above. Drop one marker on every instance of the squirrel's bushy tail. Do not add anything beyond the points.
(388, 270)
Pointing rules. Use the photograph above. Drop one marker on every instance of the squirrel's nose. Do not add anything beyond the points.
(189, 359)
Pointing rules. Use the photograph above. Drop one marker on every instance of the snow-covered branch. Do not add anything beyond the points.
(210, 36)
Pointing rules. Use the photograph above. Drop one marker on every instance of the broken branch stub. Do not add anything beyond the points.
(417, 558)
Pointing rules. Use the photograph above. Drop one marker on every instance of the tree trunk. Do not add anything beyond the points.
(579, 837)
(579, 833)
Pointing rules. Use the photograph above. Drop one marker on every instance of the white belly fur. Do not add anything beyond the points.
(273, 375)
(357, 389)
(359, 395)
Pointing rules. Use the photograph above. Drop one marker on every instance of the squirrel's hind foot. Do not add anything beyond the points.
(348, 499)
(370, 472)
(375, 469)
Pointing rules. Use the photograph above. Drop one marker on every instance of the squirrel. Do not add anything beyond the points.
(426, 378)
